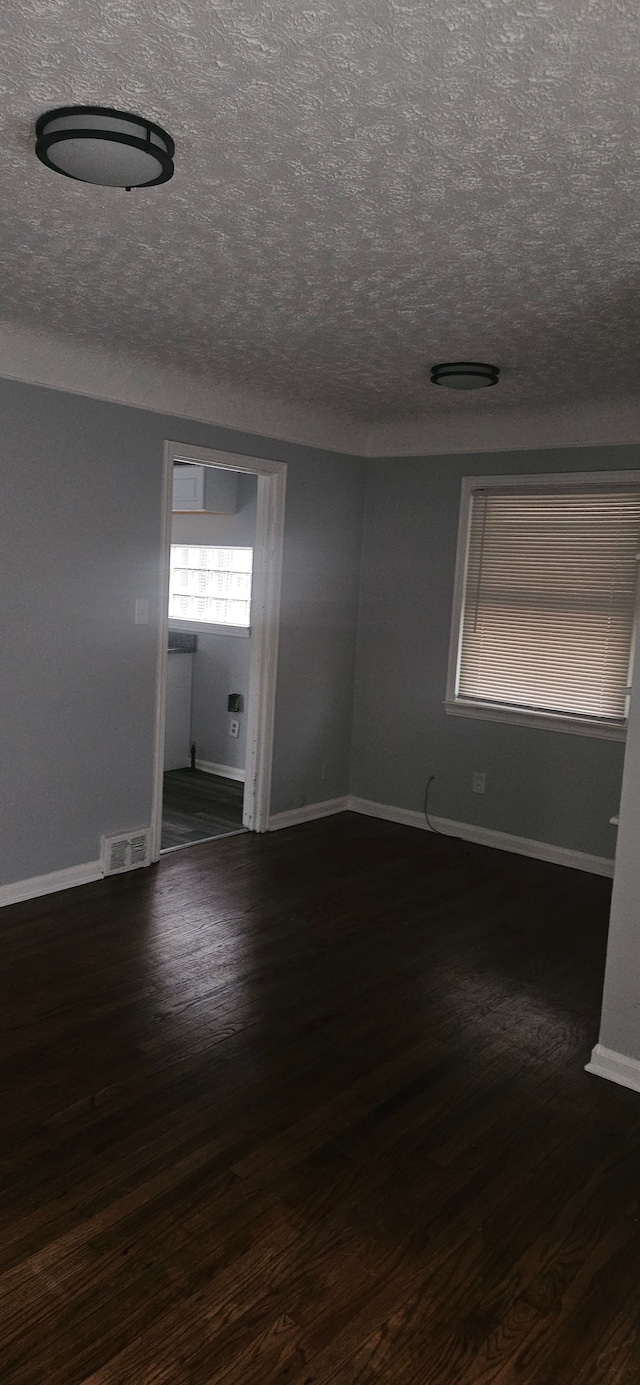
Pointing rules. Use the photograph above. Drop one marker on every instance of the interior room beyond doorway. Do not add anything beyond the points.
(213, 527)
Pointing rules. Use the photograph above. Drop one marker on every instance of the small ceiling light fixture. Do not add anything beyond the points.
(95, 144)
(465, 375)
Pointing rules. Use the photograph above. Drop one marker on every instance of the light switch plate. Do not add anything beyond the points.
(142, 611)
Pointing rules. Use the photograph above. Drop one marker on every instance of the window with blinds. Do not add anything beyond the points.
(549, 601)
(210, 585)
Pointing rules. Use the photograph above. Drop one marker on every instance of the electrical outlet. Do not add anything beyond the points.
(479, 781)
(234, 728)
(141, 611)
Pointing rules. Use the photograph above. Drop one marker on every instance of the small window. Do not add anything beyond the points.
(211, 586)
(545, 602)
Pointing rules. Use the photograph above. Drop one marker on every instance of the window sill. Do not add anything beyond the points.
(545, 721)
(204, 627)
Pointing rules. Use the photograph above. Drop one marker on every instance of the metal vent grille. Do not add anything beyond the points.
(139, 849)
(125, 851)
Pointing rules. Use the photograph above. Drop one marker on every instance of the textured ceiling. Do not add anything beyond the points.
(362, 187)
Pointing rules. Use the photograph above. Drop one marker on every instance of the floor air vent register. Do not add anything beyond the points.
(125, 851)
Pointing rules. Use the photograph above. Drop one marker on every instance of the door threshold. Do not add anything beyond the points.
(219, 836)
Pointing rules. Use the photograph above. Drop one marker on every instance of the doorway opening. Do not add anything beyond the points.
(222, 531)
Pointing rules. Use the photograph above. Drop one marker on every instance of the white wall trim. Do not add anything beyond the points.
(604, 1061)
(265, 638)
(162, 653)
(265, 627)
(540, 721)
(407, 817)
(308, 813)
(616, 1067)
(226, 461)
(485, 836)
(224, 771)
(55, 360)
(50, 884)
(482, 836)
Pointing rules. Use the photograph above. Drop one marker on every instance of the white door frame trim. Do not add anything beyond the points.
(265, 626)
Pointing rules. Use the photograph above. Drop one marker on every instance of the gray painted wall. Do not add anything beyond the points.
(221, 664)
(79, 538)
(317, 634)
(548, 786)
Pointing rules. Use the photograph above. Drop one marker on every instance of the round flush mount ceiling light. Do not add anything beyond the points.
(465, 375)
(95, 144)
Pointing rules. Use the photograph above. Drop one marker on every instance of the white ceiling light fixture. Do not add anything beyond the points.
(95, 144)
(465, 375)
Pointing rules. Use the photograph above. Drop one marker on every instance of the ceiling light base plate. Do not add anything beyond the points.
(465, 375)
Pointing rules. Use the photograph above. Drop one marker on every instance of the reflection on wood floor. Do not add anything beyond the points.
(309, 1106)
(197, 806)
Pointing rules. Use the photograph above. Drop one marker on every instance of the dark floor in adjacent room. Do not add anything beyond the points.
(197, 807)
(310, 1107)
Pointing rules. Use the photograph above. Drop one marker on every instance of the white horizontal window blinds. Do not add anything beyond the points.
(549, 600)
(210, 584)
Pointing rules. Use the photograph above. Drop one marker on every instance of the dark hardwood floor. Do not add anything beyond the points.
(311, 1108)
(198, 806)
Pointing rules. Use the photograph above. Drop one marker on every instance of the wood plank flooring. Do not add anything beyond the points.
(198, 806)
(311, 1108)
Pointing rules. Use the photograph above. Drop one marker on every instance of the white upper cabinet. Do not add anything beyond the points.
(188, 487)
(205, 489)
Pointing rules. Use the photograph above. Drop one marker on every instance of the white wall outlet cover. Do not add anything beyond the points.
(479, 781)
(142, 611)
(234, 729)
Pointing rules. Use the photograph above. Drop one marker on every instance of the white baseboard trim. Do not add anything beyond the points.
(225, 771)
(50, 884)
(486, 836)
(605, 1062)
(308, 813)
(405, 816)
